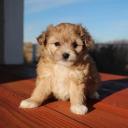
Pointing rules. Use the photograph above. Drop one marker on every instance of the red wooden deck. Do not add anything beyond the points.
(110, 112)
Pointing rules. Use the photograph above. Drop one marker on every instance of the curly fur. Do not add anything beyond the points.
(73, 78)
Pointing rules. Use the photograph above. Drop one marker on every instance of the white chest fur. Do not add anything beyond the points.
(60, 83)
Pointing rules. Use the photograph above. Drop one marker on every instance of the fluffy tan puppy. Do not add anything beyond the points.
(65, 68)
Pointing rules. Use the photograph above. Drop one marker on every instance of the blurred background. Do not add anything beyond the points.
(22, 21)
(106, 20)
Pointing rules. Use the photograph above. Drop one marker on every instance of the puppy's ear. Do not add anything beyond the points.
(86, 37)
(41, 39)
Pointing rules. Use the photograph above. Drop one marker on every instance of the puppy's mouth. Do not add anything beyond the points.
(66, 59)
(66, 62)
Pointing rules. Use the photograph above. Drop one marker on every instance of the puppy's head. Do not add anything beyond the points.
(65, 43)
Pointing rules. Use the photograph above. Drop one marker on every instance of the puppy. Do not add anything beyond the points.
(65, 68)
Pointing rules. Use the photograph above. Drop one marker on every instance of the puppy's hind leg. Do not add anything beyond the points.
(40, 93)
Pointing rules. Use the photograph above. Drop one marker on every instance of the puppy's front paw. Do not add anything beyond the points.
(28, 103)
(79, 109)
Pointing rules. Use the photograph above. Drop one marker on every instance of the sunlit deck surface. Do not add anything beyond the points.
(17, 83)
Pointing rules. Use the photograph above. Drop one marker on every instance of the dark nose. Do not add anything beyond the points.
(65, 56)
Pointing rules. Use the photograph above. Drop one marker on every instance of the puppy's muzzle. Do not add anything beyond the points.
(65, 56)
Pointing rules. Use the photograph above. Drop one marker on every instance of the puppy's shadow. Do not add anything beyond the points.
(108, 88)
(50, 99)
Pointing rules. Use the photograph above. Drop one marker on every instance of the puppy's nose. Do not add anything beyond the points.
(65, 55)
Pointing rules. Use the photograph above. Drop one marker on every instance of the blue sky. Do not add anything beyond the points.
(106, 20)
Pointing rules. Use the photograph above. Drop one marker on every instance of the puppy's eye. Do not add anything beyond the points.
(74, 45)
(57, 44)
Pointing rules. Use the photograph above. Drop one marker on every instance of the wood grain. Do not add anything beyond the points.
(111, 112)
(106, 77)
(11, 116)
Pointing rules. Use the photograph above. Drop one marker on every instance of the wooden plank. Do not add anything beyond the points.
(104, 119)
(118, 99)
(57, 113)
(96, 118)
(106, 77)
(23, 88)
(116, 103)
(12, 116)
